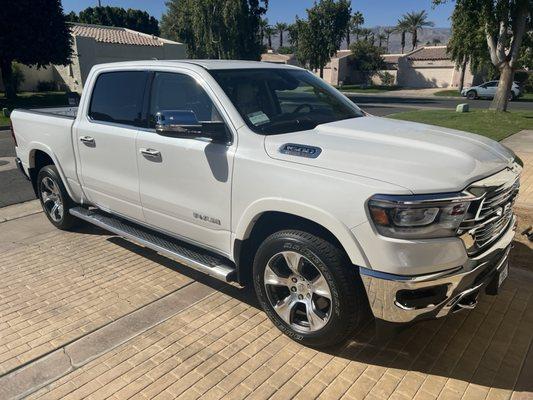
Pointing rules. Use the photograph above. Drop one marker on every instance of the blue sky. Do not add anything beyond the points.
(376, 12)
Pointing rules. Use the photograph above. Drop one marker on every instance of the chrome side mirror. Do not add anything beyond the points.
(184, 124)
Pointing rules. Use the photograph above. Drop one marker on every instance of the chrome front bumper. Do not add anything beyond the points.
(454, 289)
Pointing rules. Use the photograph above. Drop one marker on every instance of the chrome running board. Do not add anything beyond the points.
(193, 257)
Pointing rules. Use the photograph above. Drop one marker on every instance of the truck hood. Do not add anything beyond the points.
(418, 157)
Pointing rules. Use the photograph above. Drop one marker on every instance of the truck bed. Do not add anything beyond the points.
(65, 112)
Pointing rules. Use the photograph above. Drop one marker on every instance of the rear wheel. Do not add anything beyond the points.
(54, 198)
(308, 288)
(471, 95)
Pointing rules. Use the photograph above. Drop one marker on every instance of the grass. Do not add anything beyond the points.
(449, 92)
(367, 89)
(491, 124)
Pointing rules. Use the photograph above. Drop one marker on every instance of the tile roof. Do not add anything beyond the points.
(392, 58)
(429, 53)
(276, 57)
(110, 34)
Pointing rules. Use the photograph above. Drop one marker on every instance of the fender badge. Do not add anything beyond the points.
(300, 150)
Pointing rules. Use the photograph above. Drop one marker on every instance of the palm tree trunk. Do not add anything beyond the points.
(348, 38)
(403, 41)
(280, 38)
(322, 72)
(269, 41)
(414, 38)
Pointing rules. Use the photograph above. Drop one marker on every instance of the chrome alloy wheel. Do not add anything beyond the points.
(52, 203)
(298, 291)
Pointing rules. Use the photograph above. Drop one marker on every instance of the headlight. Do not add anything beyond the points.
(419, 216)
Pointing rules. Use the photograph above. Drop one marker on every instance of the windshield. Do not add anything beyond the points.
(273, 101)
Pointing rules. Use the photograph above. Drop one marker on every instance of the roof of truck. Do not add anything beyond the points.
(207, 64)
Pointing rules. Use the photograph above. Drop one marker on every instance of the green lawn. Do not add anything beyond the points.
(449, 92)
(367, 89)
(494, 125)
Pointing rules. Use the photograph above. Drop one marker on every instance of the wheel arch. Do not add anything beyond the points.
(40, 156)
(255, 225)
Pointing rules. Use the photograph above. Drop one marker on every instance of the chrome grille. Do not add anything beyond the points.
(490, 214)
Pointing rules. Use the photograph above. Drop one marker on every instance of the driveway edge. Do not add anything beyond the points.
(20, 210)
(50, 367)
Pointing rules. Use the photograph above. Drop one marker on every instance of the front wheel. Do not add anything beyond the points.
(308, 288)
(471, 95)
(54, 198)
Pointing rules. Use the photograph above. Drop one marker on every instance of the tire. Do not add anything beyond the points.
(512, 96)
(471, 95)
(54, 198)
(320, 264)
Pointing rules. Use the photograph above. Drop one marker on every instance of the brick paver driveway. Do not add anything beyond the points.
(87, 315)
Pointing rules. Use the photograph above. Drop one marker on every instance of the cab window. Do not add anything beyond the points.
(179, 92)
(118, 97)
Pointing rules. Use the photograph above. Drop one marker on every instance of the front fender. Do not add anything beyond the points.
(319, 216)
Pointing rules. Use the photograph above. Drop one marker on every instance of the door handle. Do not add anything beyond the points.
(151, 153)
(88, 140)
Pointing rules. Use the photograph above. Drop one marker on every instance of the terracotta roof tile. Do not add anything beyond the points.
(429, 53)
(109, 34)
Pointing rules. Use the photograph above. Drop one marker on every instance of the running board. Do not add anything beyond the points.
(184, 253)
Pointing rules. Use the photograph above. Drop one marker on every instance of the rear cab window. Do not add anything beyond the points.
(117, 97)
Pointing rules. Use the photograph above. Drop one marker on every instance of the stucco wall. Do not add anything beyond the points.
(423, 74)
(91, 52)
(32, 76)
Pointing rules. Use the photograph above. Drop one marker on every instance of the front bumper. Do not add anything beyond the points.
(403, 298)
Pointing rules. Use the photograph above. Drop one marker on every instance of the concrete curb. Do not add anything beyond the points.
(400, 95)
(44, 370)
(20, 210)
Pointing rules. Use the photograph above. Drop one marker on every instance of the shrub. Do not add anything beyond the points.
(46, 86)
(387, 79)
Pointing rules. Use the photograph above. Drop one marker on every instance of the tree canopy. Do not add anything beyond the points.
(415, 21)
(366, 59)
(137, 20)
(32, 32)
(227, 29)
(321, 35)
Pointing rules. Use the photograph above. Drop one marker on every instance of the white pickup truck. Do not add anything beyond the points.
(262, 174)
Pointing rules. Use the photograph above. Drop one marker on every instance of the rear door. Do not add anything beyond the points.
(106, 139)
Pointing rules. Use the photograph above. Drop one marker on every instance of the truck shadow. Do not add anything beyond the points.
(489, 346)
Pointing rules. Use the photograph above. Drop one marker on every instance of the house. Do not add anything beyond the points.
(96, 44)
(277, 58)
(424, 67)
(430, 66)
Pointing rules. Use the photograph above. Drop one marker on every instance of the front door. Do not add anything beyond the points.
(106, 139)
(185, 184)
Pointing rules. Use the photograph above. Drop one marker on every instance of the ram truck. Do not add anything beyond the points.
(264, 175)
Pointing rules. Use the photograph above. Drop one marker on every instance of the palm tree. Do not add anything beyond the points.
(281, 27)
(416, 21)
(381, 38)
(388, 32)
(355, 22)
(263, 25)
(269, 31)
(402, 27)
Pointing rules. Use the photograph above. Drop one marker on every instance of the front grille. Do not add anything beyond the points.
(489, 215)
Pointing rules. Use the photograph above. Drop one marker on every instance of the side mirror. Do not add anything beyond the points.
(184, 124)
